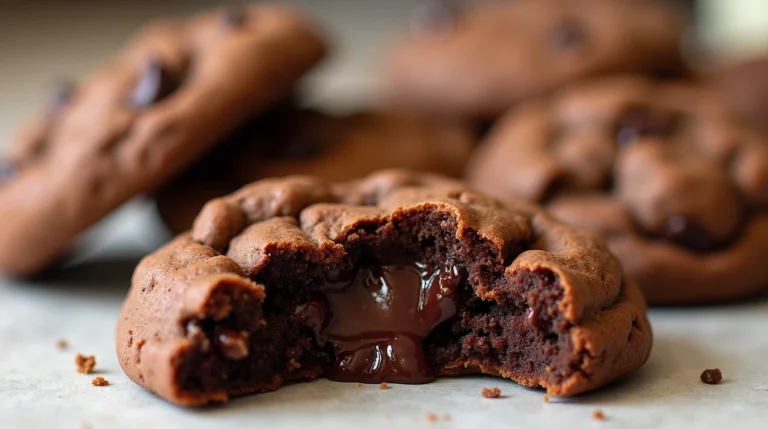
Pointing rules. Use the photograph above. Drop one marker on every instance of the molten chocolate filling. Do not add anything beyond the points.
(377, 316)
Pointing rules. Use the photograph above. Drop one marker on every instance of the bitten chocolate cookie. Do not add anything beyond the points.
(745, 87)
(333, 147)
(665, 172)
(480, 59)
(177, 89)
(398, 277)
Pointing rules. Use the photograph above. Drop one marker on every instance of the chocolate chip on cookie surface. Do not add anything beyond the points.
(673, 180)
(397, 277)
(335, 147)
(482, 58)
(163, 101)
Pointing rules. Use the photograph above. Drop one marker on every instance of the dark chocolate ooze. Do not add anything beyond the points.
(688, 234)
(154, 84)
(377, 316)
(569, 34)
(433, 17)
(8, 170)
(641, 121)
(233, 16)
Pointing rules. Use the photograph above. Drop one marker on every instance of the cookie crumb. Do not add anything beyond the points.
(598, 415)
(85, 425)
(546, 399)
(383, 386)
(359, 385)
(431, 417)
(447, 416)
(711, 376)
(84, 364)
(491, 392)
(100, 381)
(62, 344)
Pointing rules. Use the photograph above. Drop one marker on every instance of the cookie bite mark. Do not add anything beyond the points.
(399, 277)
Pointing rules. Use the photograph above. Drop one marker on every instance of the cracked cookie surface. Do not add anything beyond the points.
(295, 278)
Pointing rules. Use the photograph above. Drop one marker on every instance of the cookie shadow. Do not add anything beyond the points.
(672, 372)
(106, 275)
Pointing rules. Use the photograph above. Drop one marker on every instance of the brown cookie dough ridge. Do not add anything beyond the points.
(149, 112)
(539, 303)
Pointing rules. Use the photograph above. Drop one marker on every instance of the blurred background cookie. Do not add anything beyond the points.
(673, 180)
(480, 58)
(150, 111)
(335, 147)
(745, 86)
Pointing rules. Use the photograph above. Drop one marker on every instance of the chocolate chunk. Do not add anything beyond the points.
(569, 34)
(63, 92)
(688, 233)
(379, 316)
(231, 344)
(641, 121)
(233, 16)
(315, 315)
(532, 318)
(8, 170)
(153, 85)
(711, 376)
(433, 17)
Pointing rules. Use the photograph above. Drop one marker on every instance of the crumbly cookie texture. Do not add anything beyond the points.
(675, 182)
(481, 59)
(158, 105)
(434, 279)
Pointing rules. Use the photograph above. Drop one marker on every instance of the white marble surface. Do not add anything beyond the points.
(39, 387)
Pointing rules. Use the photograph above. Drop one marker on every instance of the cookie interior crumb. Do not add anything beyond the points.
(431, 417)
(598, 415)
(711, 376)
(491, 392)
(62, 344)
(383, 386)
(100, 381)
(546, 398)
(84, 364)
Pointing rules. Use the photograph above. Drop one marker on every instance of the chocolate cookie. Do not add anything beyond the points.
(172, 93)
(398, 277)
(480, 59)
(333, 147)
(665, 172)
(745, 87)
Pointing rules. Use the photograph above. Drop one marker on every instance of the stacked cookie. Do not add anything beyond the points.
(318, 264)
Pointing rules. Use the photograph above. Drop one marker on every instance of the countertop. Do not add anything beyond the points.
(78, 301)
